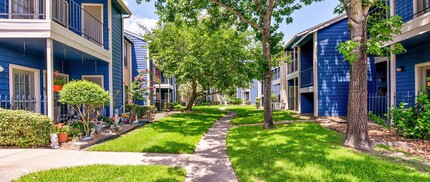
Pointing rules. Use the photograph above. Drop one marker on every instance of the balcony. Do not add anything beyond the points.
(86, 22)
(292, 67)
(307, 77)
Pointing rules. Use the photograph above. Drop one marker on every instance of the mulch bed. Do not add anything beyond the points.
(379, 134)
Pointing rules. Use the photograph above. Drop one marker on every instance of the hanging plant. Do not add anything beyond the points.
(58, 83)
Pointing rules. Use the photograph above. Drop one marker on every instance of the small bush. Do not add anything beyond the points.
(413, 122)
(376, 119)
(24, 129)
(139, 110)
(248, 102)
(257, 103)
(236, 101)
(274, 98)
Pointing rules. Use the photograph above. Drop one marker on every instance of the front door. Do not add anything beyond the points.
(23, 97)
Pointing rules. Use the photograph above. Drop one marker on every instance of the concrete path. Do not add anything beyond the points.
(209, 163)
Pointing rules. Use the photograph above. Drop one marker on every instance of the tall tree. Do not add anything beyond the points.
(204, 55)
(370, 28)
(264, 16)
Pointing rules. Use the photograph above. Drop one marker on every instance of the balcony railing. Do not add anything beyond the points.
(307, 77)
(22, 9)
(72, 16)
(405, 8)
(292, 67)
(67, 13)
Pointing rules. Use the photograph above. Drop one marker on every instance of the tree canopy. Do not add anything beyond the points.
(263, 16)
(214, 57)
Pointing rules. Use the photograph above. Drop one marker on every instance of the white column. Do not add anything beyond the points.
(392, 77)
(48, 9)
(50, 77)
(315, 70)
(299, 81)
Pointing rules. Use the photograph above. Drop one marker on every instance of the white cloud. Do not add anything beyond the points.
(132, 24)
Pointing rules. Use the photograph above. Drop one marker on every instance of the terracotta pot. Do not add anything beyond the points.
(63, 137)
(428, 84)
(57, 88)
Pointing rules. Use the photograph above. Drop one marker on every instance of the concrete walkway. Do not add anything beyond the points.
(209, 162)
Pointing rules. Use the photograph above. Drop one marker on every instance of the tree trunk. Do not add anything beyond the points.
(193, 95)
(357, 127)
(268, 120)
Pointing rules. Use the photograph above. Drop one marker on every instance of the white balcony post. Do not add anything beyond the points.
(50, 77)
(48, 9)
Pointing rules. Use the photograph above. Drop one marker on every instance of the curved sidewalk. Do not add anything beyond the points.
(209, 162)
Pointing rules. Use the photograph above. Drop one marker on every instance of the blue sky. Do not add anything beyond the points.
(303, 19)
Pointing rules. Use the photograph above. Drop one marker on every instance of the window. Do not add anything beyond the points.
(97, 79)
(126, 53)
(23, 88)
(423, 6)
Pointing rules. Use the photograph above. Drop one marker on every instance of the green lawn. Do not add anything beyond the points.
(178, 133)
(108, 173)
(250, 115)
(308, 152)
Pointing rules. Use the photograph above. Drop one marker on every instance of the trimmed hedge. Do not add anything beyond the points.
(24, 129)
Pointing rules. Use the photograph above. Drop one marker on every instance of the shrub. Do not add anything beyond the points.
(274, 98)
(257, 103)
(376, 119)
(236, 101)
(150, 110)
(86, 98)
(413, 122)
(248, 102)
(137, 110)
(24, 129)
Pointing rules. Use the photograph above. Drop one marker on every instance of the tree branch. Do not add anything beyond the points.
(241, 17)
(260, 8)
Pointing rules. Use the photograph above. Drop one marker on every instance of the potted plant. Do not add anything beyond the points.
(58, 84)
(62, 131)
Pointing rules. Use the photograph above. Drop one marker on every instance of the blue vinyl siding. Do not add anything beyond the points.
(139, 59)
(306, 62)
(117, 68)
(404, 8)
(239, 93)
(307, 104)
(333, 71)
(253, 91)
(405, 80)
(27, 59)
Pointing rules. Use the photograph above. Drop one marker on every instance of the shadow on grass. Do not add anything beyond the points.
(307, 152)
(250, 115)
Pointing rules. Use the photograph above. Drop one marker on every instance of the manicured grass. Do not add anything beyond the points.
(250, 115)
(308, 152)
(178, 133)
(108, 173)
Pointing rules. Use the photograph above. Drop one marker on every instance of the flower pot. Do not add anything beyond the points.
(57, 88)
(63, 137)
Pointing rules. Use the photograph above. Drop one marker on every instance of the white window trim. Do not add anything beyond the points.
(36, 80)
(95, 76)
(418, 75)
(102, 18)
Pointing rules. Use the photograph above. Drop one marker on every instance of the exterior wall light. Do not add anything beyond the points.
(399, 69)
(1, 69)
